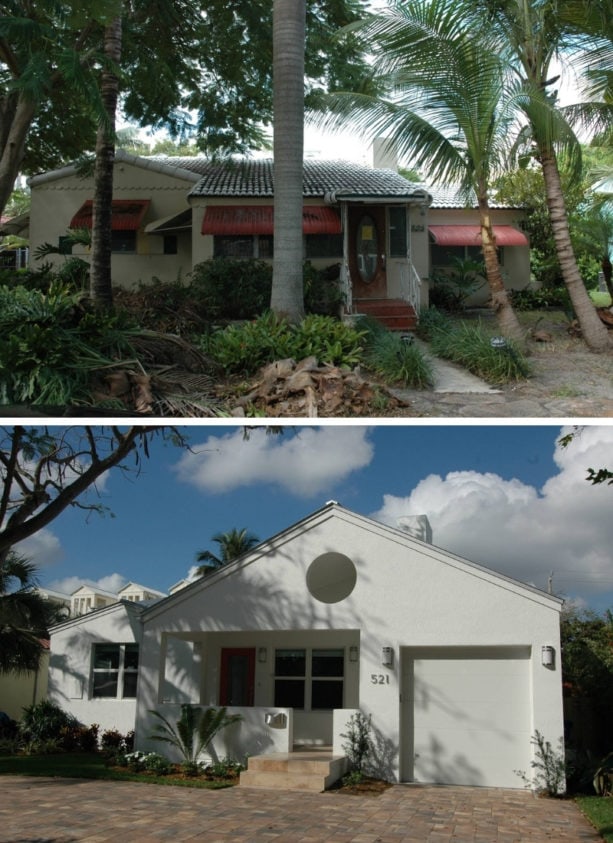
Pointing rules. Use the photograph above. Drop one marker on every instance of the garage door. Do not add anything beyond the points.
(466, 715)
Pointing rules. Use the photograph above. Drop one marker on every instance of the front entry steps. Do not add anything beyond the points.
(313, 770)
(395, 314)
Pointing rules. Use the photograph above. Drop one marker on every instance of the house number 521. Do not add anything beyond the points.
(379, 678)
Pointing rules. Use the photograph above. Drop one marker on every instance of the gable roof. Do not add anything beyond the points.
(335, 179)
(396, 534)
(451, 196)
(128, 606)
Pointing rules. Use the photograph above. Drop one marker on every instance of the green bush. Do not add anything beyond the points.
(471, 347)
(44, 722)
(398, 361)
(322, 291)
(535, 299)
(243, 349)
(232, 288)
(155, 763)
(432, 320)
(50, 343)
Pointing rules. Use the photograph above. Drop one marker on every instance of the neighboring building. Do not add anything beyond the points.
(18, 690)
(169, 214)
(457, 665)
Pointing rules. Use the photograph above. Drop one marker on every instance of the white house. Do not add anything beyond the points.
(457, 665)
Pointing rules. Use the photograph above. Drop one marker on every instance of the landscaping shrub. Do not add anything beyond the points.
(50, 343)
(431, 319)
(243, 349)
(358, 746)
(232, 288)
(471, 347)
(322, 292)
(398, 361)
(535, 299)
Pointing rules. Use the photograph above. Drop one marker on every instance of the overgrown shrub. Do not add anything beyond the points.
(451, 290)
(50, 343)
(322, 291)
(472, 348)
(243, 349)
(233, 288)
(531, 298)
(431, 319)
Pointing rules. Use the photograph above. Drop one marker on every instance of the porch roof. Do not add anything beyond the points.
(470, 235)
(259, 219)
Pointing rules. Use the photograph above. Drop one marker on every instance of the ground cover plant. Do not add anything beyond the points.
(600, 813)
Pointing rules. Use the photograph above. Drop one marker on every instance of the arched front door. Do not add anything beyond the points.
(367, 238)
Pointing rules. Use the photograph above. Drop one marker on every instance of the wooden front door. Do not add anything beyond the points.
(367, 237)
(237, 679)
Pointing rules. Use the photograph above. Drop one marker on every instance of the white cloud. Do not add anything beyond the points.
(565, 527)
(305, 464)
(43, 548)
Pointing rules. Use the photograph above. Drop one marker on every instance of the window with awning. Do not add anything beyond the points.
(470, 235)
(126, 214)
(259, 219)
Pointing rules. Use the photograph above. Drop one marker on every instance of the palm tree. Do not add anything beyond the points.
(450, 109)
(287, 296)
(24, 616)
(232, 544)
(101, 290)
(531, 35)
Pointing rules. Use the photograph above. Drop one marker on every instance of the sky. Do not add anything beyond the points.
(505, 496)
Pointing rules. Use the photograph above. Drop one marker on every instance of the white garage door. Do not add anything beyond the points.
(466, 715)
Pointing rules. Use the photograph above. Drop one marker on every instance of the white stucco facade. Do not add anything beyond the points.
(343, 614)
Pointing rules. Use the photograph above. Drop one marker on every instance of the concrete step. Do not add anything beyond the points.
(312, 771)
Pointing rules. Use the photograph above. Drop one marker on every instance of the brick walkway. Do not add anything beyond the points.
(64, 810)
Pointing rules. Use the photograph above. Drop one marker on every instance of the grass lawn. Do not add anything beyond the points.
(84, 765)
(599, 810)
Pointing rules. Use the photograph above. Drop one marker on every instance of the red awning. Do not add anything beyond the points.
(127, 214)
(470, 235)
(258, 219)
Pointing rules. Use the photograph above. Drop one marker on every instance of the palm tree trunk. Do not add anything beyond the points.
(594, 332)
(289, 25)
(506, 316)
(101, 289)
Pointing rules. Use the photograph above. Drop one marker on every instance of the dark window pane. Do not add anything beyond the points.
(129, 684)
(289, 693)
(324, 245)
(265, 246)
(328, 663)
(290, 662)
(105, 683)
(123, 241)
(131, 657)
(171, 246)
(398, 232)
(232, 246)
(106, 656)
(327, 694)
(443, 255)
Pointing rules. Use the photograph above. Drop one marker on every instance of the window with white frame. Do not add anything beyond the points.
(309, 679)
(115, 670)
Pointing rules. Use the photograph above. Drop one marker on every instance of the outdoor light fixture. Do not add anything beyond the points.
(498, 342)
(262, 654)
(407, 339)
(387, 656)
(548, 656)
(353, 653)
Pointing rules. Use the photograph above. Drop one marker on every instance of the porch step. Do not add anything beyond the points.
(395, 314)
(313, 771)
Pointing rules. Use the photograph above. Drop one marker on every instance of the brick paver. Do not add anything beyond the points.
(66, 810)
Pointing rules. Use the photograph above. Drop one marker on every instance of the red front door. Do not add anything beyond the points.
(367, 251)
(237, 680)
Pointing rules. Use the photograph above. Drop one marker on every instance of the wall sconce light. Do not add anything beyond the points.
(262, 654)
(353, 653)
(548, 656)
(387, 656)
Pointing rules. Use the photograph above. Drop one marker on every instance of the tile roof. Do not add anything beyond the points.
(254, 178)
(450, 196)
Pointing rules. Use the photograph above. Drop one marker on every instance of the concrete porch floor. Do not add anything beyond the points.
(67, 810)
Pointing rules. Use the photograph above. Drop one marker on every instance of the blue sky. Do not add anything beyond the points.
(507, 497)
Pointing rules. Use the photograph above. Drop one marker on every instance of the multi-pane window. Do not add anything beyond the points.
(309, 679)
(115, 670)
(324, 245)
(243, 246)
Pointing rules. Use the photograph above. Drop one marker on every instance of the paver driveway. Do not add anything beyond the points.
(64, 810)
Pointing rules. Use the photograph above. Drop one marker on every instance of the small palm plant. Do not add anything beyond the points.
(193, 731)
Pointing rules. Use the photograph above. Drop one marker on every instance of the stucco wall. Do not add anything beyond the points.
(56, 200)
(20, 690)
(70, 666)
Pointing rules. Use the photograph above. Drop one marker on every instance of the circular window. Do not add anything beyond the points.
(331, 577)
(367, 246)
